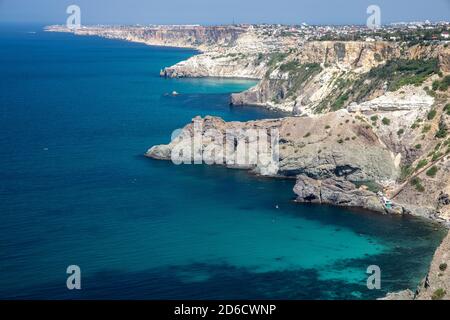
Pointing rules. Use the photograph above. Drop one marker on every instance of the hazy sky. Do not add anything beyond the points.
(222, 12)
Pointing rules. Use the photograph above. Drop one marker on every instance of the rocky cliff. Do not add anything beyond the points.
(436, 285)
(315, 76)
(227, 65)
(337, 191)
(307, 147)
(182, 36)
(325, 76)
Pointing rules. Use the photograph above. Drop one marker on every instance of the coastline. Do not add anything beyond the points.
(202, 52)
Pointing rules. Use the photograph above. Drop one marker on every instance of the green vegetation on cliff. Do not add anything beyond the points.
(441, 85)
(432, 171)
(389, 76)
(442, 131)
(274, 60)
(395, 73)
(422, 163)
(299, 74)
(431, 114)
(417, 183)
(403, 72)
(386, 121)
(405, 172)
(438, 294)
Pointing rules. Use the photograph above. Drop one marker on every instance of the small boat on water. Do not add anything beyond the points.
(173, 94)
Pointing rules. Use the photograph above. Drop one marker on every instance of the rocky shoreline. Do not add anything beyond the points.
(369, 119)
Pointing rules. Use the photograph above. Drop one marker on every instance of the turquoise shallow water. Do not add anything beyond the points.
(76, 115)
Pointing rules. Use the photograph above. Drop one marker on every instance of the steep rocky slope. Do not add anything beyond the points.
(182, 36)
(326, 76)
(436, 285)
(226, 65)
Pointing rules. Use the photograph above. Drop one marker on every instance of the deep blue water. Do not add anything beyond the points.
(76, 116)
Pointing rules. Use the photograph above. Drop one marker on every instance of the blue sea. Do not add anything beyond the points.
(76, 116)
